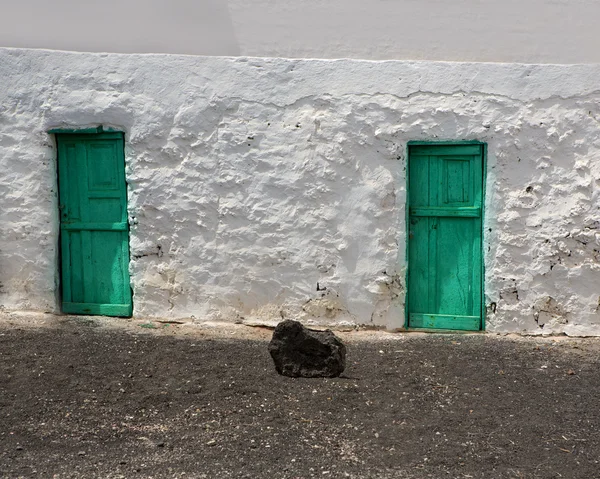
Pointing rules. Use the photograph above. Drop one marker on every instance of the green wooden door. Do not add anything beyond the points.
(444, 236)
(93, 224)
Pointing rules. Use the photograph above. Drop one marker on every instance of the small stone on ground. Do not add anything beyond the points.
(301, 352)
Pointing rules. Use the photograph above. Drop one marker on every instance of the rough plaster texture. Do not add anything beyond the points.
(262, 189)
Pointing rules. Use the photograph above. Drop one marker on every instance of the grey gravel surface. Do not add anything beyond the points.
(81, 401)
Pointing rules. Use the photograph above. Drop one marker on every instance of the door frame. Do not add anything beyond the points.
(106, 132)
(434, 143)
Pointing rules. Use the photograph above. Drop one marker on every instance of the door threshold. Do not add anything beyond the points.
(442, 331)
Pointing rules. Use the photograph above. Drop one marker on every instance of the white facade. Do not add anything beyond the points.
(252, 180)
(524, 31)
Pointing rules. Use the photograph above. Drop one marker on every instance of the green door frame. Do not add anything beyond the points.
(126, 309)
(435, 143)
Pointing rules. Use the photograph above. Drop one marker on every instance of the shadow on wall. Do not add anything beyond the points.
(135, 26)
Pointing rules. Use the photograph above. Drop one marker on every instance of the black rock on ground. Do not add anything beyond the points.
(301, 352)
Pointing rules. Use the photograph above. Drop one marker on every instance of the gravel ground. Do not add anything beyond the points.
(97, 398)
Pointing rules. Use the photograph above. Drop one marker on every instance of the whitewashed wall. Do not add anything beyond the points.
(252, 180)
(526, 31)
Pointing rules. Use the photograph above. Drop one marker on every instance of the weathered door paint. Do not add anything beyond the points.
(93, 224)
(444, 236)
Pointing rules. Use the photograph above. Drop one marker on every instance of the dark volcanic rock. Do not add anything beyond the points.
(301, 352)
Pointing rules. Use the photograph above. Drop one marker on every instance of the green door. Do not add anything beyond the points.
(444, 236)
(93, 224)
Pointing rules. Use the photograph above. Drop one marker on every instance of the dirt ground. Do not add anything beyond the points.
(100, 398)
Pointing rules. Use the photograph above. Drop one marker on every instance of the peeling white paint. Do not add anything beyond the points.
(251, 181)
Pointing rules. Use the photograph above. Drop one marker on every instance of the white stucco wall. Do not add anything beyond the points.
(531, 31)
(259, 178)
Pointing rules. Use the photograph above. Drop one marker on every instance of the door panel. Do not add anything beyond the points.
(456, 266)
(94, 230)
(445, 205)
